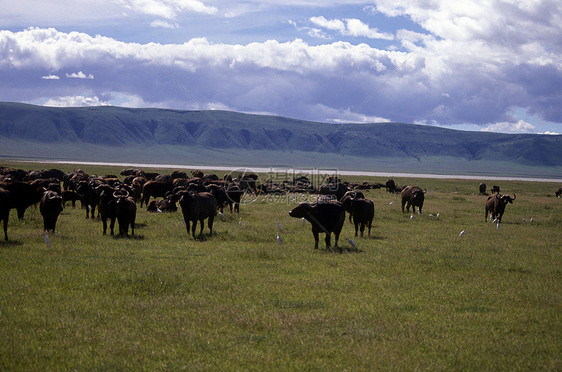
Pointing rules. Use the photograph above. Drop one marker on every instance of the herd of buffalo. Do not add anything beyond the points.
(200, 197)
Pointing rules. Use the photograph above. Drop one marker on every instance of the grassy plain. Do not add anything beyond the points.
(413, 296)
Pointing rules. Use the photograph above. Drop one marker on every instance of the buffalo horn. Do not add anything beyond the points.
(121, 195)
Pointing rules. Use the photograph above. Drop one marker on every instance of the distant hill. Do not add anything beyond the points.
(49, 132)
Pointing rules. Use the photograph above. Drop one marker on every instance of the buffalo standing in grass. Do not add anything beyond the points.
(482, 189)
(558, 192)
(22, 195)
(155, 189)
(233, 195)
(363, 211)
(495, 189)
(412, 196)
(5, 206)
(348, 198)
(126, 211)
(50, 207)
(495, 206)
(390, 186)
(325, 218)
(107, 207)
(198, 207)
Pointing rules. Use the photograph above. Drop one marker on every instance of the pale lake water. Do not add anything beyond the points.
(306, 171)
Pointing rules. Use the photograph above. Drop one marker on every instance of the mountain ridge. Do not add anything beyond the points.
(224, 130)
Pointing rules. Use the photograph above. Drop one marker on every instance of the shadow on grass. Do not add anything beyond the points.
(130, 237)
(10, 243)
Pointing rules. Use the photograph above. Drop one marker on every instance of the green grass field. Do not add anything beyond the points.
(414, 296)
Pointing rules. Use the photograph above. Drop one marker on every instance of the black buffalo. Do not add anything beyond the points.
(363, 211)
(412, 196)
(495, 206)
(23, 195)
(390, 186)
(198, 207)
(126, 211)
(107, 207)
(495, 189)
(558, 192)
(233, 195)
(325, 218)
(482, 188)
(50, 207)
(156, 189)
(5, 206)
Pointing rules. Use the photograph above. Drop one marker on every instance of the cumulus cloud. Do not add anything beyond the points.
(431, 77)
(75, 101)
(350, 27)
(505, 127)
(50, 77)
(79, 75)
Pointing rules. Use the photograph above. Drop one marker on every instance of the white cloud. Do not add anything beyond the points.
(442, 81)
(168, 9)
(79, 75)
(505, 127)
(50, 77)
(350, 27)
(550, 133)
(163, 24)
(75, 101)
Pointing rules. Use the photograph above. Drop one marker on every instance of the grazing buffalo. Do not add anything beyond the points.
(126, 211)
(5, 206)
(198, 207)
(71, 196)
(558, 192)
(220, 195)
(233, 195)
(156, 189)
(325, 218)
(390, 186)
(50, 207)
(495, 189)
(107, 207)
(89, 196)
(482, 188)
(363, 211)
(412, 196)
(338, 190)
(23, 195)
(495, 206)
(348, 198)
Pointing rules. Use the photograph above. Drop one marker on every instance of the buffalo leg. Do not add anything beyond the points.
(362, 229)
(193, 228)
(202, 223)
(336, 239)
(211, 219)
(328, 241)
(316, 239)
(6, 228)
(356, 227)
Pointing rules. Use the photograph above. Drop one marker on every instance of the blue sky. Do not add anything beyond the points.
(490, 66)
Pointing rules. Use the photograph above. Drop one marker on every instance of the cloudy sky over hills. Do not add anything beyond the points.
(493, 66)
